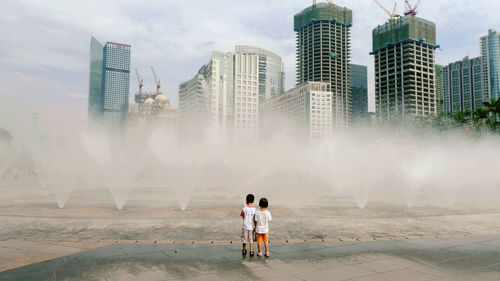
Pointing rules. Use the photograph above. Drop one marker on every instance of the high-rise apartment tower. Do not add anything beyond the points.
(462, 85)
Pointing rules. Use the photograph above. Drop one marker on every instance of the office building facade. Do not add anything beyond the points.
(303, 113)
(323, 53)
(109, 83)
(246, 97)
(403, 51)
(225, 94)
(271, 71)
(96, 105)
(194, 108)
(359, 92)
(206, 102)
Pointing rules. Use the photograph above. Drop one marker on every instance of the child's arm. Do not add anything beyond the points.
(269, 217)
(242, 214)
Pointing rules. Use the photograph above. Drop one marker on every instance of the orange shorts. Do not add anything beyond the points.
(262, 237)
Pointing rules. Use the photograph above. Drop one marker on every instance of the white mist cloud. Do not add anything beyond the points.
(48, 41)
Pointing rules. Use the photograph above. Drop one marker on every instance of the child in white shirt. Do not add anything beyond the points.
(262, 219)
(248, 228)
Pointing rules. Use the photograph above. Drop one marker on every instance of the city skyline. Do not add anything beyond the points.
(61, 73)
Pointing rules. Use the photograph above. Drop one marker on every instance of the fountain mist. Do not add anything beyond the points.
(365, 165)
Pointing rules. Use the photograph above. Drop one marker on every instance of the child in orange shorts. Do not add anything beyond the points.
(262, 219)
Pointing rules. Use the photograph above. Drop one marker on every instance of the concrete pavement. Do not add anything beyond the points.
(465, 258)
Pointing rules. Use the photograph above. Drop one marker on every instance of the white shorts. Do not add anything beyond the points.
(246, 236)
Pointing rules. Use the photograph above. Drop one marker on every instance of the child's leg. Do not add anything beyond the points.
(243, 240)
(266, 243)
(259, 247)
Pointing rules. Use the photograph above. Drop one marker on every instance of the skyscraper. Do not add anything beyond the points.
(462, 85)
(96, 106)
(109, 83)
(359, 91)
(323, 53)
(271, 71)
(225, 94)
(194, 107)
(490, 54)
(246, 97)
(403, 50)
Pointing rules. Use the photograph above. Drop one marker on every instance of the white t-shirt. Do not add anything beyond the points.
(262, 218)
(248, 214)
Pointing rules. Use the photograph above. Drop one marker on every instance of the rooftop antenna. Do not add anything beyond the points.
(140, 80)
(409, 10)
(392, 15)
(157, 82)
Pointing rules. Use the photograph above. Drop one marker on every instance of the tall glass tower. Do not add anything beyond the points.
(96, 108)
(323, 53)
(490, 54)
(359, 91)
(109, 83)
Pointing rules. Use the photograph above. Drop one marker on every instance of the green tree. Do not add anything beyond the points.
(493, 109)
(462, 117)
(480, 117)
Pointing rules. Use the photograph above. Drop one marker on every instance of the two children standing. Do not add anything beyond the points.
(255, 222)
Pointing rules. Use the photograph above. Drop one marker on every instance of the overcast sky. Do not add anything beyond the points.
(44, 50)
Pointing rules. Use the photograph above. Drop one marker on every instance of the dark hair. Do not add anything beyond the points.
(263, 203)
(250, 198)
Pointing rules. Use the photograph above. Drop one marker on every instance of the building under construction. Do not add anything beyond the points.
(152, 111)
(323, 53)
(403, 49)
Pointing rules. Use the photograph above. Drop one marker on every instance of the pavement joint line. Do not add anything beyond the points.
(289, 241)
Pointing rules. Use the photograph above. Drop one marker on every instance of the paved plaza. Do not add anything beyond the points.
(465, 258)
(328, 239)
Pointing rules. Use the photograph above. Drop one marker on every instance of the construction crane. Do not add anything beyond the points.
(157, 82)
(140, 80)
(392, 15)
(409, 10)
